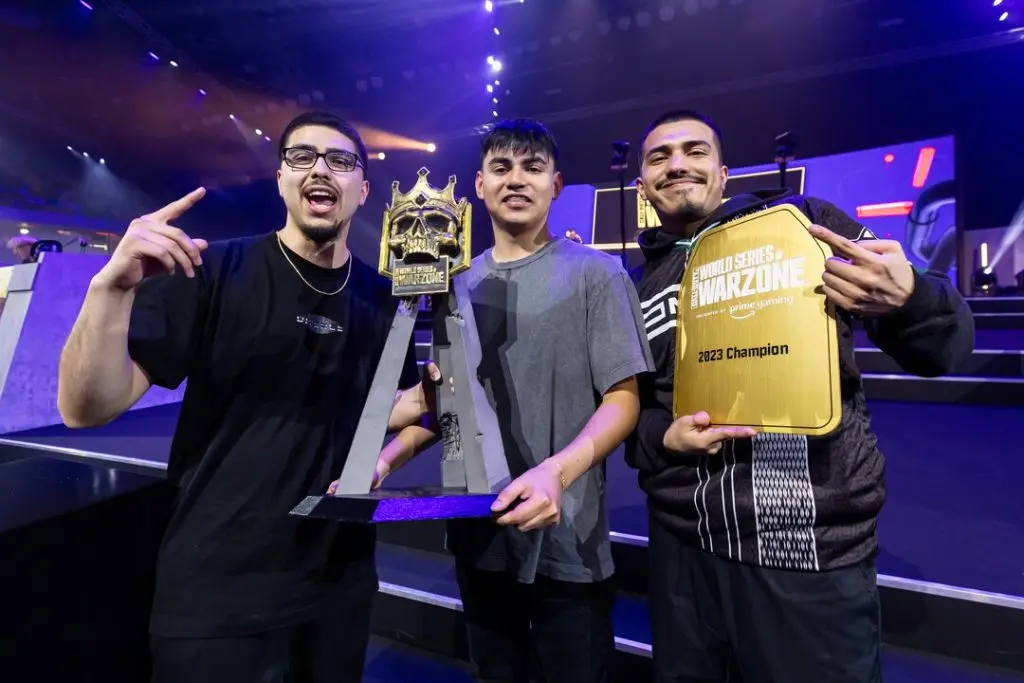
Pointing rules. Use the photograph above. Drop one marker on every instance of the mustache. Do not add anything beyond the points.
(681, 176)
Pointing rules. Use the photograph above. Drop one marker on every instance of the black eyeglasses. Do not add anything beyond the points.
(304, 158)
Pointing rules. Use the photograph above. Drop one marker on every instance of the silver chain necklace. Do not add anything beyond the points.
(284, 252)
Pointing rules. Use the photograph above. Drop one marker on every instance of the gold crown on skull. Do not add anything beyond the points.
(424, 205)
(423, 197)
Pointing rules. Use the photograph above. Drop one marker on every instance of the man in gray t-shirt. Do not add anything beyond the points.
(562, 341)
(557, 329)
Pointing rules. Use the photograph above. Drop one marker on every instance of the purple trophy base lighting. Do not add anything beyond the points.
(398, 505)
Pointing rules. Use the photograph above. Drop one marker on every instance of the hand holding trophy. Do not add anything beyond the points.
(425, 241)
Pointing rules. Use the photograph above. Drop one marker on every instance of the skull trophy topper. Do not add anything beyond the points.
(425, 239)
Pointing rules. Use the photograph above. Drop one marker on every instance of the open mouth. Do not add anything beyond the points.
(320, 199)
(516, 201)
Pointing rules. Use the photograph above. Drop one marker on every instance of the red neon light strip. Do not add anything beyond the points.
(924, 165)
(883, 210)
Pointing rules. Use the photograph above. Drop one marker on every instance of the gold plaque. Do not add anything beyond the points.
(756, 341)
(425, 239)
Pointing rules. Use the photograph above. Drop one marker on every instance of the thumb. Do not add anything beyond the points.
(508, 495)
(701, 419)
(201, 244)
(332, 488)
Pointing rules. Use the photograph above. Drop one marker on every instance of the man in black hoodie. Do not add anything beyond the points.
(762, 546)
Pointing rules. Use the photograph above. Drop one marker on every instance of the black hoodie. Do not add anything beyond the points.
(793, 502)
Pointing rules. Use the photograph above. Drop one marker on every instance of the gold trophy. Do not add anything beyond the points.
(757, 343)
(424, 242)
(424, 231)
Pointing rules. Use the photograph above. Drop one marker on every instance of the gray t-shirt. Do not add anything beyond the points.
(557, 329)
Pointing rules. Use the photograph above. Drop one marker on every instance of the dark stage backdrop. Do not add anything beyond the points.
(905, 192)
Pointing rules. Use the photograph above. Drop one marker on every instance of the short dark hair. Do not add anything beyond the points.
(684, 115)
(520, 136)
(328, 120)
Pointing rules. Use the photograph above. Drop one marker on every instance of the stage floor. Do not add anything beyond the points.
(391, 662)
(952, 515)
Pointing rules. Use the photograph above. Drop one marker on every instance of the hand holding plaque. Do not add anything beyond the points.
(757, 339)
(695, 435)
(425, 240)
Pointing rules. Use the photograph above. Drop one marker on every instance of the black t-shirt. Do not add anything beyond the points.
(277, 378)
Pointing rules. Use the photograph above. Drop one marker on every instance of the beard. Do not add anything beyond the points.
(690, 211)
(690, 205)
(684, 215)
(321, 235)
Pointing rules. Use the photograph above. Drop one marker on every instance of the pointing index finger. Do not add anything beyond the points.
(842, 246)
(178, 207)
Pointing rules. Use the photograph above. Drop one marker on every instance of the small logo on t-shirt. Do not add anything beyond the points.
(317, 324)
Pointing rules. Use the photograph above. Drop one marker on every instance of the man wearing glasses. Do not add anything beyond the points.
(279, 336)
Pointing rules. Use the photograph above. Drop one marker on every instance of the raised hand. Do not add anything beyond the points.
(870, 277)
(153, 246)
(694, 435)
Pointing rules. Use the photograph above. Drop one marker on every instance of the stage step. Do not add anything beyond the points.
(983, 339)
(996, 304)
(999, 321)
(419, 605)
(983, 363)
(979, 391)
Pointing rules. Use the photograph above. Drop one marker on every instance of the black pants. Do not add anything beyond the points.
(329, 649)
(570, 623)
(714, 620)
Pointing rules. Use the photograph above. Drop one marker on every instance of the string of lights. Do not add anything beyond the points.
(154, 57)
(495, 62)
(1001, 9)
(495, 66)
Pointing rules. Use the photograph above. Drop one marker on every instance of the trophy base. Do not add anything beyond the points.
(398, 505)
